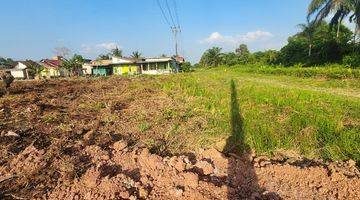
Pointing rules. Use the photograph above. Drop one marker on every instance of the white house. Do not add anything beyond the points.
(155, 66)
(21, 69)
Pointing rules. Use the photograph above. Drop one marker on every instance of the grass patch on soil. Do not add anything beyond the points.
(317, 117)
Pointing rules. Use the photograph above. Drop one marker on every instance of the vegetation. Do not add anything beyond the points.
(317, 117)
(7, 62)
(136, 55)
(314, 45)
(74, 65)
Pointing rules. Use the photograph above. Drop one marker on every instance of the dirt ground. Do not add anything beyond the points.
(114, 139)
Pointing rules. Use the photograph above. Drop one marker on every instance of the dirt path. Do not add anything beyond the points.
(86, 139)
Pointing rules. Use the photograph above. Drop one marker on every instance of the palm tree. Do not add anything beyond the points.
(308, 31)
(214, 56)
(136, 55)
(340, 9)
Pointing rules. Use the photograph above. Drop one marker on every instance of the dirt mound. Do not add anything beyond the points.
(130, 172)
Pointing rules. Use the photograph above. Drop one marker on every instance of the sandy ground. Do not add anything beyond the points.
(72, 153)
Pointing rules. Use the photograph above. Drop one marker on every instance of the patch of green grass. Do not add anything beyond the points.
(314, 116)
(144, 127)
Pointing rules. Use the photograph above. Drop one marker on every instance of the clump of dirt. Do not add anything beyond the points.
(115, 139)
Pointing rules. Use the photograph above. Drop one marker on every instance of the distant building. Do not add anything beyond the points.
(22, 69)
(125, 66)
(52, 67)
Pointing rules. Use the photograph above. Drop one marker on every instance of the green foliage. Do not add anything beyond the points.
(338, 8)
(35, 69)
(317, 117)
(103, 57)
(211, 58)
(74, 65)
(325, 46)
(136, 55)
(332, 72)
(186, 67)
(352, 60)
(116, 52)
(316, 44)
(7, 62)
(242, 50)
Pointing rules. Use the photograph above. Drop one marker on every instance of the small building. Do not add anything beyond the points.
(155, 66)
(52, 67)
(124, 66)
(131, 66)
(22, 69)
(101, 68)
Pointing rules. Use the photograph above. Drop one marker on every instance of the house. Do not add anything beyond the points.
(153, 66)
(125, 66)
(52, 67)
(100, 67)
(22, 69)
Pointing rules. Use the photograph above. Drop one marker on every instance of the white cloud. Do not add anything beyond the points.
(216, 37)
(107, 46)
(98, 48)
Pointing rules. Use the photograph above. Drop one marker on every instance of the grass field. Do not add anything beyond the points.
(318, 117)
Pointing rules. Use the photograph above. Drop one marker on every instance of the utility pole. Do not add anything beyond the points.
(175, 31)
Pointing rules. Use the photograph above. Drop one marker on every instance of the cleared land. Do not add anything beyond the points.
(141, 137)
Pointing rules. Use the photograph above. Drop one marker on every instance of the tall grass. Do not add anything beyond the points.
(334, 72)
(315, 123)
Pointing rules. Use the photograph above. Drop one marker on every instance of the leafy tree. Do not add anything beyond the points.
(339, 9)
(308, 31)
(74, 65)
(211, 58)
(8, 62)
(266, 57)
(185, 67)
(326, 48)
(242, 50)
(136, 55)
(35, 69)
(230, 59)
(103, 57)
(116, 52)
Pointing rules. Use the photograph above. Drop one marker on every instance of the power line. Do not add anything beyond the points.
(176, 13)
(163, 13)
(170, 13)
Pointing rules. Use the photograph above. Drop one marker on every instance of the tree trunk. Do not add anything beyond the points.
(310, 49)
(355, 34)
(338, 30)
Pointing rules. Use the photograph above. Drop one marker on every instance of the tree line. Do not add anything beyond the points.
(317, 43)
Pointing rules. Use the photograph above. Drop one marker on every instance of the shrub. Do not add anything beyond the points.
(352, 60)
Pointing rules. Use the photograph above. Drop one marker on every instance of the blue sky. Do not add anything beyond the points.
(31, 29)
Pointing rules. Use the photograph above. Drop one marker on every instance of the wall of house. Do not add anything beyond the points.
(125, 69)
(88, 69)
(50, 72)
(156, 68)
(20, 66)
(102, 71)
(19, 74)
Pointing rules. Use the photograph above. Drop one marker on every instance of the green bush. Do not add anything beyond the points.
(352, 60)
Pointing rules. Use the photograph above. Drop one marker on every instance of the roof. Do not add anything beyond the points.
(28, 63)
(101, 62)
(51, 63)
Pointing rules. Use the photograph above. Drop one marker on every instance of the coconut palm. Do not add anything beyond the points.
(308, 31)
(136, 55)
(212, 57)
(339, 8)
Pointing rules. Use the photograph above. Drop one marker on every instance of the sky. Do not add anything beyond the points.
(32, 29)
